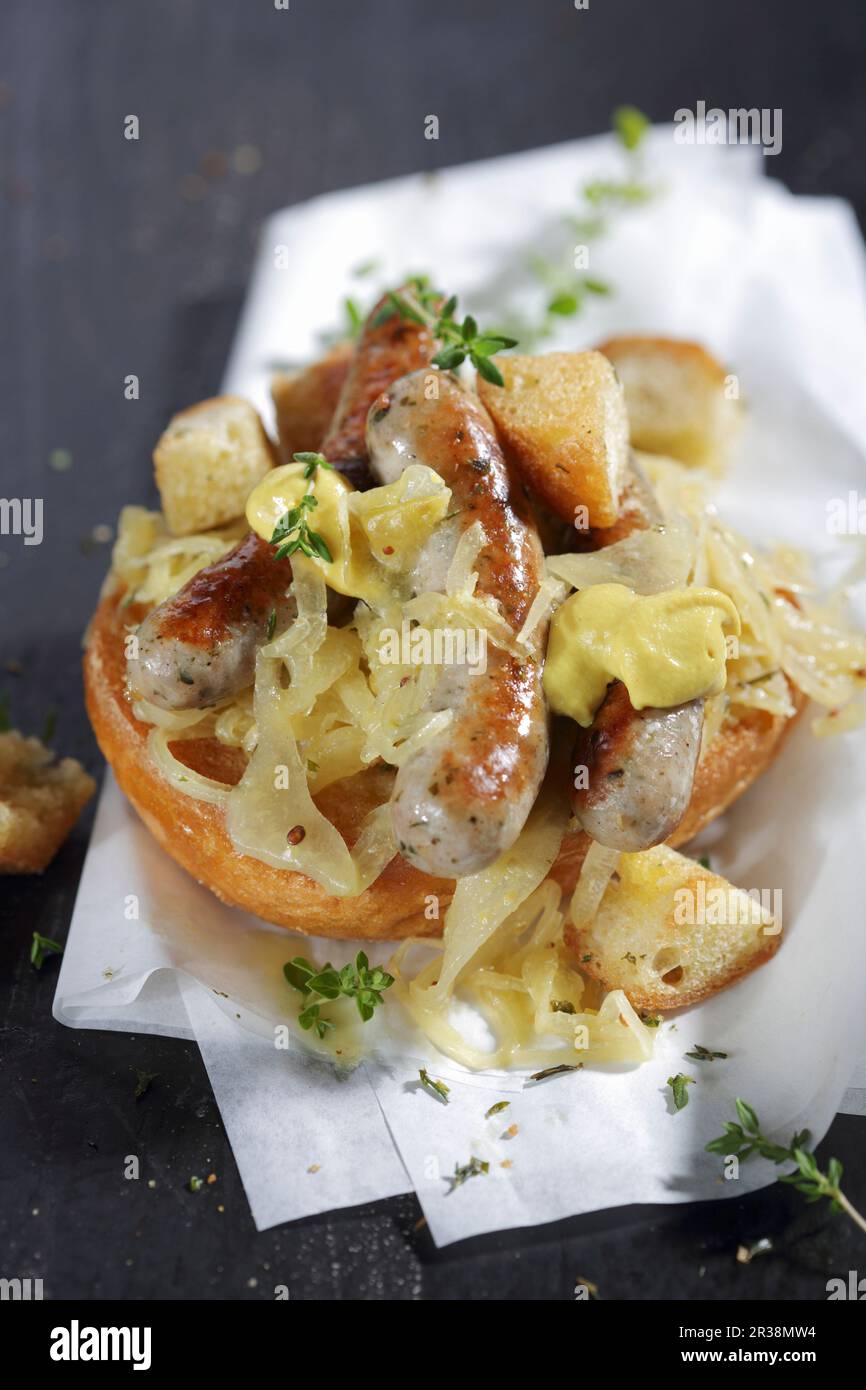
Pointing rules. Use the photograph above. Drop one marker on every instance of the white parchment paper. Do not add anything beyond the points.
(774, 285)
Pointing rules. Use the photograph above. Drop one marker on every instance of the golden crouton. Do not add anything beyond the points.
(40, 801)
(305, 401)
(208, 461)
(680, 400)
(562, 419)
(670, 932)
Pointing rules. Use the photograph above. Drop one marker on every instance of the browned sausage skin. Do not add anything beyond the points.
(463, 797)
(199, 646)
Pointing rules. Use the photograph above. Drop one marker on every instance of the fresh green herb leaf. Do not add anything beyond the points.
(743, 1139)
(487, 369)
(650, 1020)
(359, 981)
(704, 862)
(299, 972)
(678, 1085)
(497, 1109)
(705, 1054)
(562, 1006)
(354, 317)
(195, 1184)
(630, 126)
(312, 462)
(563, 304)
(272, 623)
(41, 947)
(365, 268)
(437, 1088)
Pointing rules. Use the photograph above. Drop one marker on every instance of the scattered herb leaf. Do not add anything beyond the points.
(497, 1109)
(437, 1088)
(705, 1054)
(43, 946)
(143, 1080)
(463, 1171)
(678, 1085)
(555, 1071)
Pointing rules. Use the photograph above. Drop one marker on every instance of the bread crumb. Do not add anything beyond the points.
(314, 1168)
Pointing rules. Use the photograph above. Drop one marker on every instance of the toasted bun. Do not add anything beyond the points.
(193, 832)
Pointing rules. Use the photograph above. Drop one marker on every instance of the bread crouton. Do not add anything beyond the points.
(679, 399)
(208, 461)
(670, 932)
(562, 419)
(305, 401)
(40, 801)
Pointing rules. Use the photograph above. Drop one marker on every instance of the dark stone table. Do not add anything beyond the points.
(123, 257)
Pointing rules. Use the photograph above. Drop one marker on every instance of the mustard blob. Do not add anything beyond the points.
(666, 648)
(372, 536)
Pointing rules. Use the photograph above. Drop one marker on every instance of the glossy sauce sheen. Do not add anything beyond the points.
(199, 646)
(463, 797)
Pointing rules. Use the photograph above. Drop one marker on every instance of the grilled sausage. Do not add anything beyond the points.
(199, 646)
(641, 766)
(463, 797)
(640, 763)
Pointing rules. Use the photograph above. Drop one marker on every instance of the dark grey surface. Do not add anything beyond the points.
(108, 268)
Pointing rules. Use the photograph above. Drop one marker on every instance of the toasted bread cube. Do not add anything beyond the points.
(208, 461)
(670, 932)
(40, 801)
(562, 418)
(305, 401)
(679, 399)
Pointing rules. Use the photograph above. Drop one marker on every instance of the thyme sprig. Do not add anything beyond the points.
(567, 292)
(293, 531)
(460, 339)
(746, 1138)
(358, 981)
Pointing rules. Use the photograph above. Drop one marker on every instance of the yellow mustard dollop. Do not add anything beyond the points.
(372, 536)
(666, 648)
